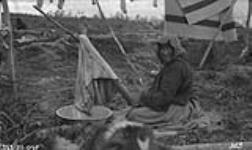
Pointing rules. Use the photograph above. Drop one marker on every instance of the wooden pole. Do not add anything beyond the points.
(56, 23)
(121, 48)
(248, 24)
(123, 90)
(12, 53)
(247, 48)
(209, 48)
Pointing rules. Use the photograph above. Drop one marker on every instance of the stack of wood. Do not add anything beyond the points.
(46, 40)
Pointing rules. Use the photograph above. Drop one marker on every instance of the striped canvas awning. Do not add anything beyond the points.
(176, 24)
(197, 10)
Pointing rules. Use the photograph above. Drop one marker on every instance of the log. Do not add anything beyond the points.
(216, 146)
(208, 146)
(31, 32)
(12, 52)
(29, 41)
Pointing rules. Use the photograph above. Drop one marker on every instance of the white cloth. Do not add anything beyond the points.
(95, 66)
(94, 76)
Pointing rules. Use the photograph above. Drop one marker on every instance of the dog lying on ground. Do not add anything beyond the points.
(123, 135)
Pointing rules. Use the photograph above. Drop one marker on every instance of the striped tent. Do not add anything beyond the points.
(197, 10)
(199, 19)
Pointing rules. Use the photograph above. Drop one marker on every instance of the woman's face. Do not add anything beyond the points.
(166, 54)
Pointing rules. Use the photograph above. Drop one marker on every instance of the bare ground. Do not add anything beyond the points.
(46, 81)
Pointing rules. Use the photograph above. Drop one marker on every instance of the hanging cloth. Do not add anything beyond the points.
(40, 3)
(123, 6)
(94, 2)
(94, 84)
(61, 4)
(155, 3)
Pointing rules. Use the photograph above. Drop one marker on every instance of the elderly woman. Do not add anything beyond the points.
(170, 99)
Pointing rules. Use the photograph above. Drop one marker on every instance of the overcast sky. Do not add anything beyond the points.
(110, 7)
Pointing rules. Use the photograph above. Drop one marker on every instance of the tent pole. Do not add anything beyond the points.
(209, 48)
(118, 42)
(123, 90)
(248, 24)
(12, 53)
(247, 50)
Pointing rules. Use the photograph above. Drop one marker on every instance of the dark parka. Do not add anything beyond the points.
(173, 85)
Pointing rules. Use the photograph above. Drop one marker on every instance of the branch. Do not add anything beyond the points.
(57, 23)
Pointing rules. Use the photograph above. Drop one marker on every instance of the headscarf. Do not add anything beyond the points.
(174, 42)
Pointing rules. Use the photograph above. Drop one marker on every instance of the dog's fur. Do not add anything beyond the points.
(123, 135)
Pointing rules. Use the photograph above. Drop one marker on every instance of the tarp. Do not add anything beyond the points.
(176, 24)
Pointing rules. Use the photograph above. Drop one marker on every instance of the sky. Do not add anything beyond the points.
(143, 8)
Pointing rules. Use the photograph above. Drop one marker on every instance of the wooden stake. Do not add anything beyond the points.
(209, 48)
(121, 48)
(246, 50)
(248, 24)
(12, 53)
(123, 90)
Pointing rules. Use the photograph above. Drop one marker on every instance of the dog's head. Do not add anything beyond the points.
(123, 135)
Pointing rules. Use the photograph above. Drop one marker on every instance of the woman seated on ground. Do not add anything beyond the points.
(170, 98)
